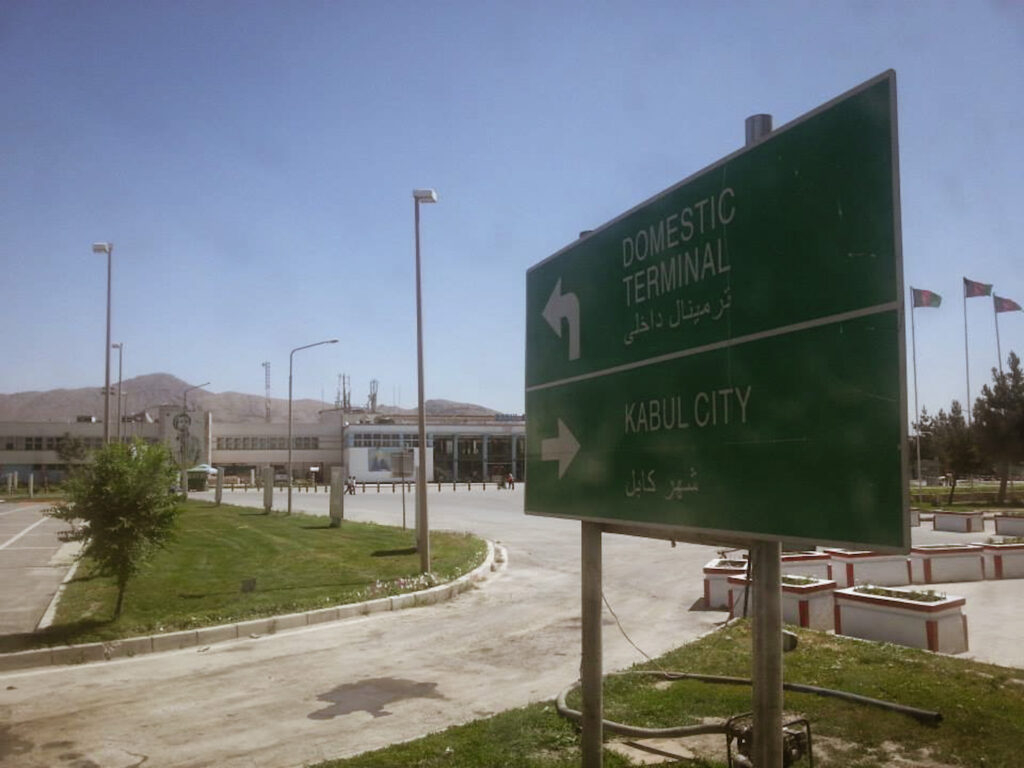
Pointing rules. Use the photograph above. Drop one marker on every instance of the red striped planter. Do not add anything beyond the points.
(959, 522)
(938, 563)
(811, 564)
(716, 584)
(936, 626)
(806, 605)
(1004, 561)
(1009, 525)
(852, 567)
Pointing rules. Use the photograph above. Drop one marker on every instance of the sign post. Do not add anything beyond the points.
(766, 635)
(725, 362)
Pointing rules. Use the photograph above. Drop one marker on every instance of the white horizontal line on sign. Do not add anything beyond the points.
(781, 331)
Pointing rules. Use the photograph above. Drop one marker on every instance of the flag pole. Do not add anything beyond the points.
(917, 412)
(967, 360)
(999, 350)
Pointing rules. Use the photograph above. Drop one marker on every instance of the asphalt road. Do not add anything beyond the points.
(343, 688)
(339, 689)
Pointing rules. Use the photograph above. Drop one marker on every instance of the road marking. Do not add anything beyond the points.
(8, 543)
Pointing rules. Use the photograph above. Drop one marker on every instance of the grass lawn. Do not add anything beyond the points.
(294, 563)
(982, 707)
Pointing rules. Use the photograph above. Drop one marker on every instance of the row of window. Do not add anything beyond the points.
(51, 442)
(267, 443)
(386, 440)
(48, 443)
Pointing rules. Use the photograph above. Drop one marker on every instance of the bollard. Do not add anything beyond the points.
(392, 487)
(378, 486)
(31, 485)
(439, 487)
(453, 485)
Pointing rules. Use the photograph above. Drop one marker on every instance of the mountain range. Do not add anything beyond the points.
(148, 392)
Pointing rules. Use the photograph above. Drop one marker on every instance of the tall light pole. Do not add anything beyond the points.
(422, 534)
(183, 434)
(291, 358)
(107, 248)
(119, 346)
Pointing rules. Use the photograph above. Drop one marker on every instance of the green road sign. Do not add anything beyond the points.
(728, 357)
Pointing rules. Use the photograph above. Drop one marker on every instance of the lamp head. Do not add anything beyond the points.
(102, 247)
(424, 195)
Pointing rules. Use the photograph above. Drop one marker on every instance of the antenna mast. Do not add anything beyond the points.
(372, 404)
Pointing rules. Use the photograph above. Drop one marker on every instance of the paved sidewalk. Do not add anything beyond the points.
(32, 560)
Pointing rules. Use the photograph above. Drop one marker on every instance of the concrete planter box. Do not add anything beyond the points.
(938, 563)
(897, 618)
(1009, 525)
(1004, 561)
(811, 564)
(716, 585)
(915, 517)
(806, 605)
(959, 522)
(852, 567)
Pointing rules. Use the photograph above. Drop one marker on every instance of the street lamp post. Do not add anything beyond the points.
(422, 533)
(119, 346)
(107, 248)
(183, 435)
(291, 358)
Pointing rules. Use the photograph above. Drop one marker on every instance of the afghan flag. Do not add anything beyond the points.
(924, 298)
(1005, 305)
(972, 289)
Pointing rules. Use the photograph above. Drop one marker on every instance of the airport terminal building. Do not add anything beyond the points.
(459, 448)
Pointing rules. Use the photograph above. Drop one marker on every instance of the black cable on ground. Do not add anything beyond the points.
(925, 716)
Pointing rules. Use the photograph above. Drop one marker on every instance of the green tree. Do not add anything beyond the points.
(999, 421)
(123, 499)
(923, 429)
(954, 445)
(71, 450)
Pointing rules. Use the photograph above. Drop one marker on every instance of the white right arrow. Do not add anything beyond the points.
(568, 306)
(562, 449)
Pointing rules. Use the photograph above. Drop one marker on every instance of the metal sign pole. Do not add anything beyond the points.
(767, 590)
(767, 651)
(591, 663)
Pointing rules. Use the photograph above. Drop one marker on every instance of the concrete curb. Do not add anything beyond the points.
(495, 560)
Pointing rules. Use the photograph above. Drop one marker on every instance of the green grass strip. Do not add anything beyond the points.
(229, 564)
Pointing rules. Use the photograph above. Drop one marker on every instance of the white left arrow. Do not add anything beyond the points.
(564, 305)
(562, 449)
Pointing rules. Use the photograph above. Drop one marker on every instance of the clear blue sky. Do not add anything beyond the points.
(253, 162)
